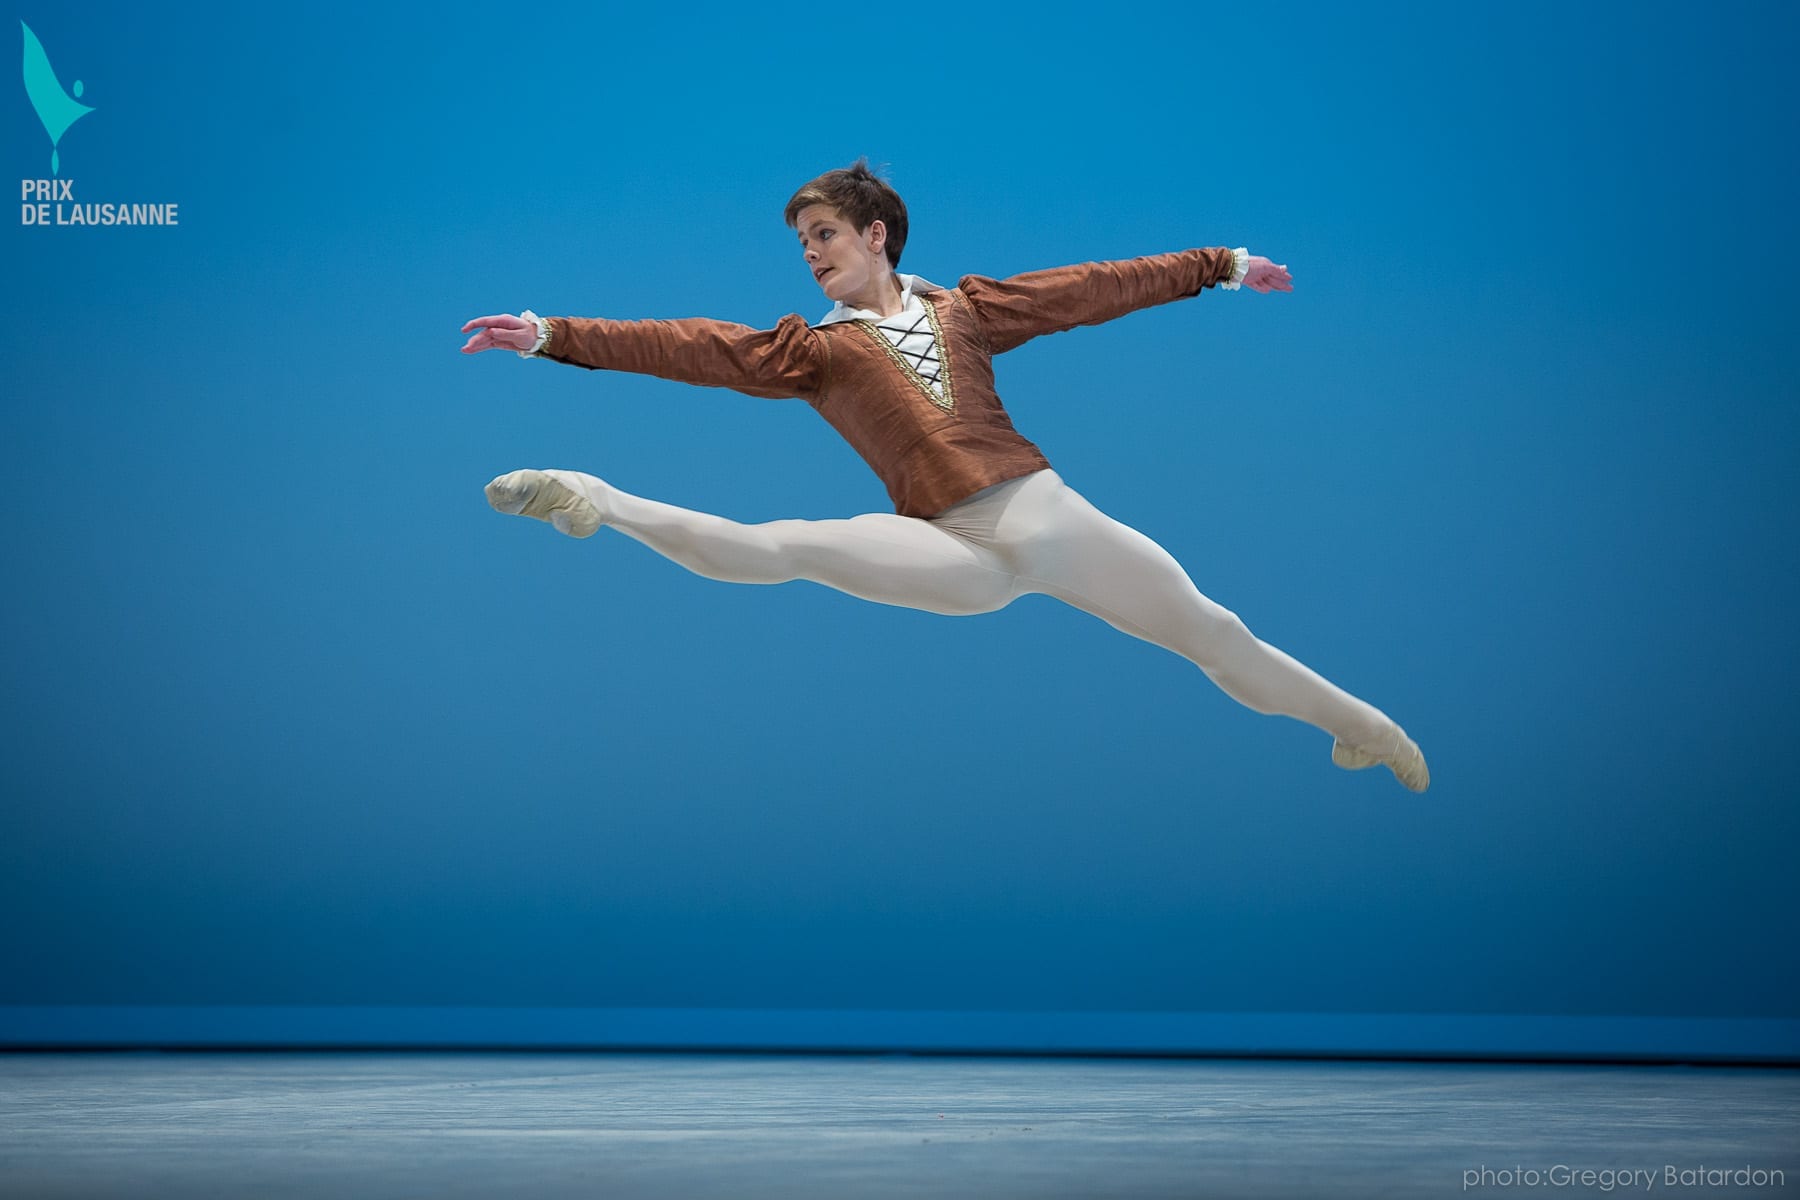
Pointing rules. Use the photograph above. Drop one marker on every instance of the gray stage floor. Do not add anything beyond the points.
(685, 1127)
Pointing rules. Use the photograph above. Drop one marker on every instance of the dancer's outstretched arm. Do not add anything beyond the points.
(1015, 310)
(772, 363)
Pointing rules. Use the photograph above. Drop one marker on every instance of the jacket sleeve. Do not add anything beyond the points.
(788, 360)
(1013, 311)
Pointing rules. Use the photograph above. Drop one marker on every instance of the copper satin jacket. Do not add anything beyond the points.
(930, 451)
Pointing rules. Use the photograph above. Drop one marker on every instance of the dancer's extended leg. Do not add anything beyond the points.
(1033, 534)
(1062, 546)
(878, 556)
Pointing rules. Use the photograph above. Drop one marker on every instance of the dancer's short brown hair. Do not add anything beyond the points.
(861, 198)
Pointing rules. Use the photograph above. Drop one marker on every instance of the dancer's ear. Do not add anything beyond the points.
(876, 234)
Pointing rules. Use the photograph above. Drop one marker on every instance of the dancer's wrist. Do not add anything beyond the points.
(1240, 267)
(543, 334)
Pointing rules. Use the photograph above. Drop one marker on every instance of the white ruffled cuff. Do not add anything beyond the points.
(1240, 267)
(543, 337)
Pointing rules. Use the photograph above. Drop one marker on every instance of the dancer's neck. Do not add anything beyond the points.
(882, 296)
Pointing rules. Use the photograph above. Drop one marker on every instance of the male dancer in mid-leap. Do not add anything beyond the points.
(903, 370)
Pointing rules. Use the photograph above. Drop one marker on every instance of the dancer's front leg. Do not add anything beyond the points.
(882, 557)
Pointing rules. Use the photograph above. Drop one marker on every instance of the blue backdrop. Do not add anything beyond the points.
(295, 725)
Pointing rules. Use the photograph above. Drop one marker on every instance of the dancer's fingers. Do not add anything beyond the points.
(1277, 279)
(498, 320)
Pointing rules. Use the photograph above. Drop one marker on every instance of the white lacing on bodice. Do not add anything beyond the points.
(911, 335)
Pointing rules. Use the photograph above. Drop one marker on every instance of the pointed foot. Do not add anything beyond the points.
(543, 496)
(1397, 752)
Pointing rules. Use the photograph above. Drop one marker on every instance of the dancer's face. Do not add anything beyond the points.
(846, 265)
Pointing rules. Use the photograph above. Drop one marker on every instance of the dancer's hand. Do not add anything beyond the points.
(500, 332)
(1265, 276)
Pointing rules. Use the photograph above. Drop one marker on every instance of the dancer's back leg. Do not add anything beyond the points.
(1062, 546)
(882, 557)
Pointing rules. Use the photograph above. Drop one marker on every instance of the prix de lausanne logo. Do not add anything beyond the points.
(44, 199)
(55, 108)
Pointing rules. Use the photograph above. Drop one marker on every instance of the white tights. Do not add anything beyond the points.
(1031, 534)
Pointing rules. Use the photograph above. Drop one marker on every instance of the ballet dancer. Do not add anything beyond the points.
(902, 368)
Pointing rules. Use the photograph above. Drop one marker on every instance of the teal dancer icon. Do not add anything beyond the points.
(55, 107)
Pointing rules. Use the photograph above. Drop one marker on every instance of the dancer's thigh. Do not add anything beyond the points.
(1063, 546)
(896, 560)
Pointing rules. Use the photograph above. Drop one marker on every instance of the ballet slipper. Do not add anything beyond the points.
(1399, 753)
(546, 496)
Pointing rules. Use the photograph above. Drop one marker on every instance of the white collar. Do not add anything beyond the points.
(841, 312)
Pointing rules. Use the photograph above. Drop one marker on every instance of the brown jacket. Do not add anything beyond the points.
(930, 451)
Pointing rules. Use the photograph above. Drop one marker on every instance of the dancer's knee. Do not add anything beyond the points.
(1219, 637)
(731, 552)
(1212, 637)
